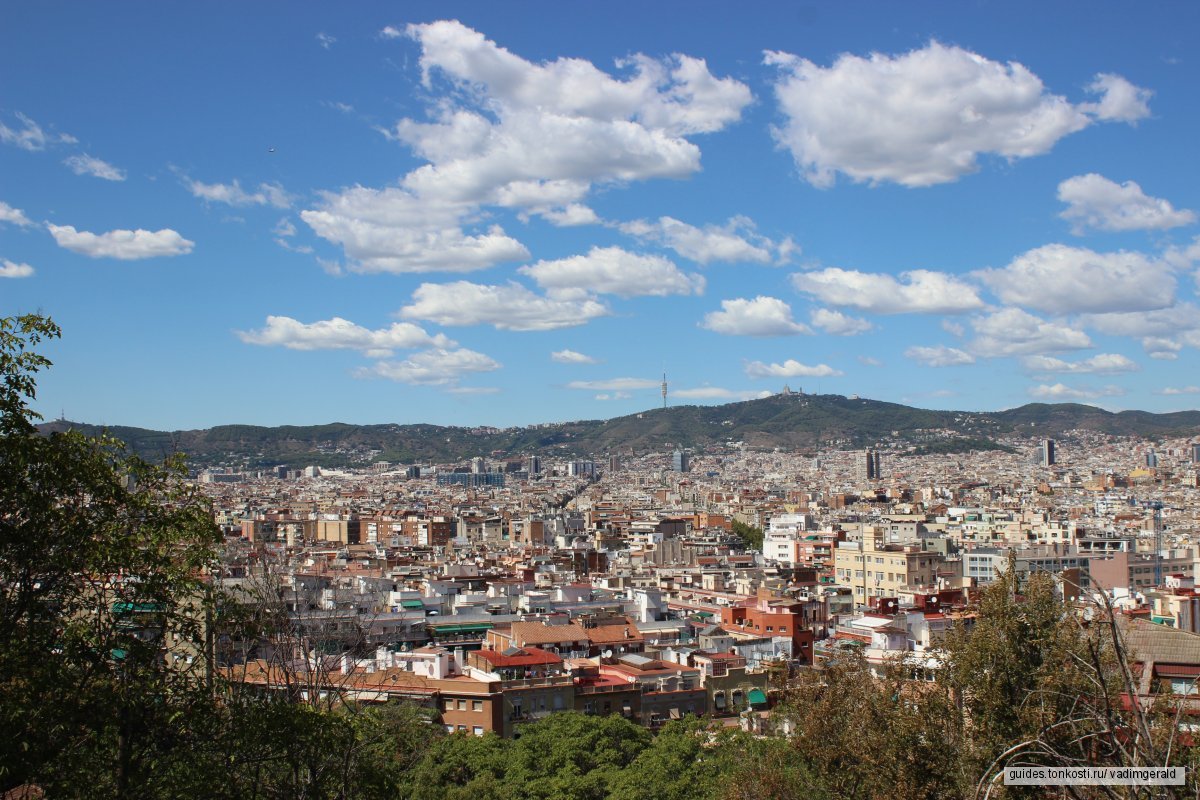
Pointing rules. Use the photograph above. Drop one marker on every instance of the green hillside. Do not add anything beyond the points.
(793, 422)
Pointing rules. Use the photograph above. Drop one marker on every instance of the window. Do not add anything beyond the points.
(462, 728)
(462, 705)
(477, 705)
(477, 730)
(1183, 686)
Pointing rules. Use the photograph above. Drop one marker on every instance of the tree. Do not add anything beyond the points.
(103, 599)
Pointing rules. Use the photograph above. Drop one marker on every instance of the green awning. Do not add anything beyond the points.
(442, 629)
(136, 608)
(757, 698)
(703, 614)
(411, 604)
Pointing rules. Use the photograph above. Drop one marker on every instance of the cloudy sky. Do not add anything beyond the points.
(503, 214)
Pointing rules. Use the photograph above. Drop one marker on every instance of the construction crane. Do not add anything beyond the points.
(1156, 506)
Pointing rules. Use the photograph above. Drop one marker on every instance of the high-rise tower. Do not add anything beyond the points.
(664, 390)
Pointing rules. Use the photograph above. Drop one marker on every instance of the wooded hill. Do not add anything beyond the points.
(793, 422)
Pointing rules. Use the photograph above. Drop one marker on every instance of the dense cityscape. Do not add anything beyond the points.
(672, 401)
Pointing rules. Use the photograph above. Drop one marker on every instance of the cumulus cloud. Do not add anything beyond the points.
(1120, 100)
(1093, 201)
(13, 216)
(614, 384)
(438, 367)
(267, 194)
(1102, 364)
(121, 244)
(789, 369)
(510, 307)
(512, 121)
(11, 269)
(342, 334)
(1163, 322)
(611, 270)
(469, 390)
(734, 242)
(390, 32)
(1161, 348)
(393, 230)
(837, 323)
(762, 316)
(571, 215)
(925, 117)
(1176, 390)
(1068, 280)
(325, 40)
(939, 356)
(717, 393)
(917, 291)
(97, 168)
(30, 136)
(1059, 391)
(1013, 332)
(572, 357)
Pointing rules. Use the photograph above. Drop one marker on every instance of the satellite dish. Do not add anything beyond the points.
(607, 654)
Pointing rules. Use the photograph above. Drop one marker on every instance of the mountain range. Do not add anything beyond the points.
(800, 422)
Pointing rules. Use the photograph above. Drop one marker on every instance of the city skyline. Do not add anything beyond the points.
(458, 214)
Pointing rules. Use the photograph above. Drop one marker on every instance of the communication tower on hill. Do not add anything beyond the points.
(664, 390)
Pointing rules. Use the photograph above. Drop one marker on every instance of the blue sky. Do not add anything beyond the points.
(502, 214)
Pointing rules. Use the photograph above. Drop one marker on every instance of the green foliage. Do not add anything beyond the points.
(752, 537)
(779, 421)
(102, 597)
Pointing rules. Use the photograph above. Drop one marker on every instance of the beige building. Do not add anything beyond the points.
(873, 569)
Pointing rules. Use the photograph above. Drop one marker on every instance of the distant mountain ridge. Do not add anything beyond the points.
(790, 421)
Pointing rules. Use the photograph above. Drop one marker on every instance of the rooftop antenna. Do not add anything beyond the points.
(664, 389)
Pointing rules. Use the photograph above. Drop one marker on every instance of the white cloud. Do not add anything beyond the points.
(437, 367)
(869, 361)
(762, 316)
(325, 40)
(717, 393)
(790, 369)
(11, 269)
(342, 334)
(13, 216)
(614, 384)
(512, 121)
(122, 244)
(97, 168)
(390, 32)
(572, 357)
(837, 323)
(918, 291)
(1120, 100)
(474, 390)
(925, 117)
(1013, 332)
(30, 136)
(571, 215)
(1165, 322)
(267, 194)
(939, 356)
(1102, 364)
(611, 270)
(511, 307)
(1059, 391)
(1161, 348)
(734, 242)
(393, 230)
(1068, 280)
(1093, 201)
(613, 396)
(1174, 390)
